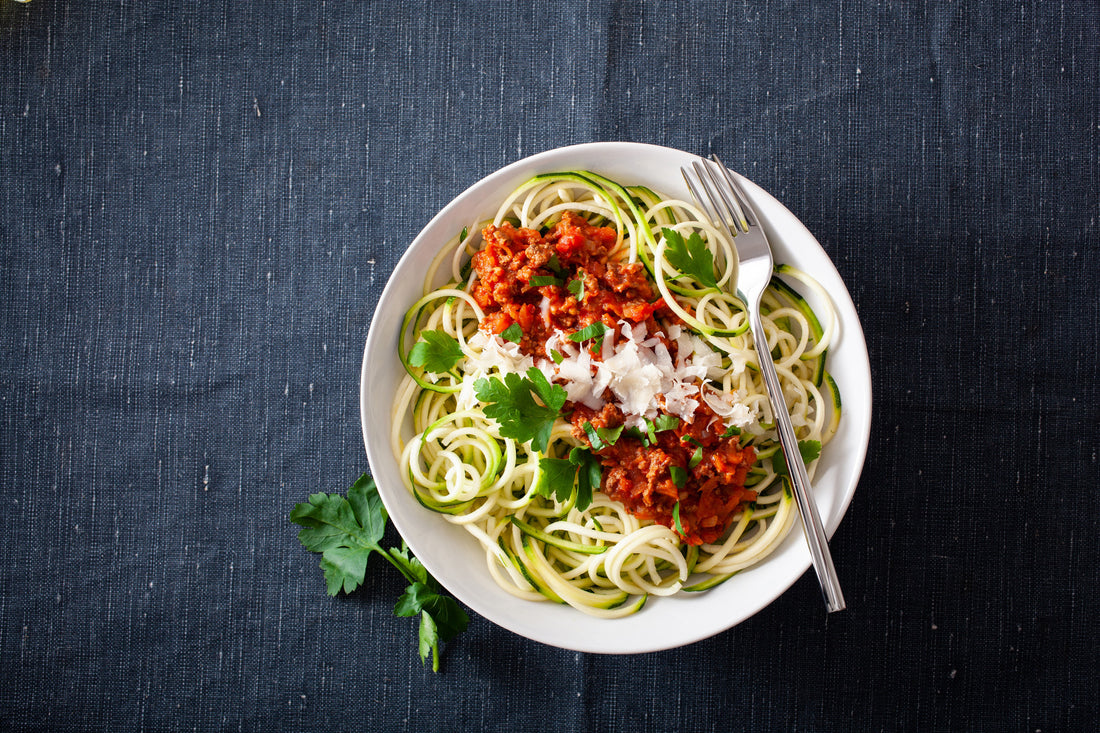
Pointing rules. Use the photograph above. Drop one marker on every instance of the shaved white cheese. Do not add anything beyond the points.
(488, 353)
(634, 366)
(727, 407)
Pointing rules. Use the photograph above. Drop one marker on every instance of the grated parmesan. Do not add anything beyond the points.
(636, 366)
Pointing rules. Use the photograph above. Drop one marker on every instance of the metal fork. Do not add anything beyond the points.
(723, 199)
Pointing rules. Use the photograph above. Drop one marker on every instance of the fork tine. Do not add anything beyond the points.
(704, 201)
(744, 207)
(722, 191)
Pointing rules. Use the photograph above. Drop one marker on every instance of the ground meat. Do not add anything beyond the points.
(512, 256)
(640, 475)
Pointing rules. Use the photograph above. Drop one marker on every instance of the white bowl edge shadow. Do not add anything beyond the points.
(456, 559)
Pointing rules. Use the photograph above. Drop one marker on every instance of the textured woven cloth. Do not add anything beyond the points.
(200, 204)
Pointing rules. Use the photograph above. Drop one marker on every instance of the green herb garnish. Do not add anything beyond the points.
(665, 422)
(558, 477)
(692, 258)
(512, 404)
(538, 281)
(809, 450)
(347, 531)
(593, 436)
(436, 351)
(594, 330)
(609, 436)
(637, 435)
(676, 519)
(576, 286)
(679, 476)
(513, 333)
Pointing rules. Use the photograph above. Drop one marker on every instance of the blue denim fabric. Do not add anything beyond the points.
(200, 204)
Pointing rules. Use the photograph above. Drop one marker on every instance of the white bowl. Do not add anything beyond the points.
(457, 560)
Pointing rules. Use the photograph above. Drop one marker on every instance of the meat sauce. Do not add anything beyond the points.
(571, 249)
(640, 476)
(634, 473)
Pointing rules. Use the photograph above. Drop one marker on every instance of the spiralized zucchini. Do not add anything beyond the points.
(603, 560)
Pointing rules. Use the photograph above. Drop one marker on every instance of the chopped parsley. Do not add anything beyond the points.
(556, 356)
(593, 436)
(435, 351)
(692, 257)
(637, 435)
(665, 422)
(538, 281)
(601, 438)
(809, 450)
(512, 404)
(679, 476)
(609, 436)
(696, 457)
(676, 519)
(513, 333)
(594, 330)
(576, 286)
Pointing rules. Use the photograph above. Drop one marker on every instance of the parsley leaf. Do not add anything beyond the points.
(558, 476)
(589, 473)
(808, 449)
(665, 422)
(576, 287)
(593, 436)
(556, 356)
(513, 333)
(513, 406)
(676, 519)
(441, 618)
(692, 258)
(679, 475)
(435, 351)
(594, 330)
(346, 531)
(731, 431)
(610, 436)
(696, 457)
(538, 281)
(601, 438)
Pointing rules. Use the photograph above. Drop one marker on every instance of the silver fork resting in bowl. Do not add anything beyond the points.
(723, 200)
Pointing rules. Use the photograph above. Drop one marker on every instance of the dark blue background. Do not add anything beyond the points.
(200, 203)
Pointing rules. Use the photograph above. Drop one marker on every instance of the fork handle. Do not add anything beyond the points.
(803, 493)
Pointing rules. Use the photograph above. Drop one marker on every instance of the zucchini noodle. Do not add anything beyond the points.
(600, 558)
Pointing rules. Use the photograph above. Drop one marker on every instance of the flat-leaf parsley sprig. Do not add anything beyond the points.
(347, 531)
(512, 404)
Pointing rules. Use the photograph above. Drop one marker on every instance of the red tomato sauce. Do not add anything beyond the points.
(638, 475)
(641, 477)
(572, 249)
